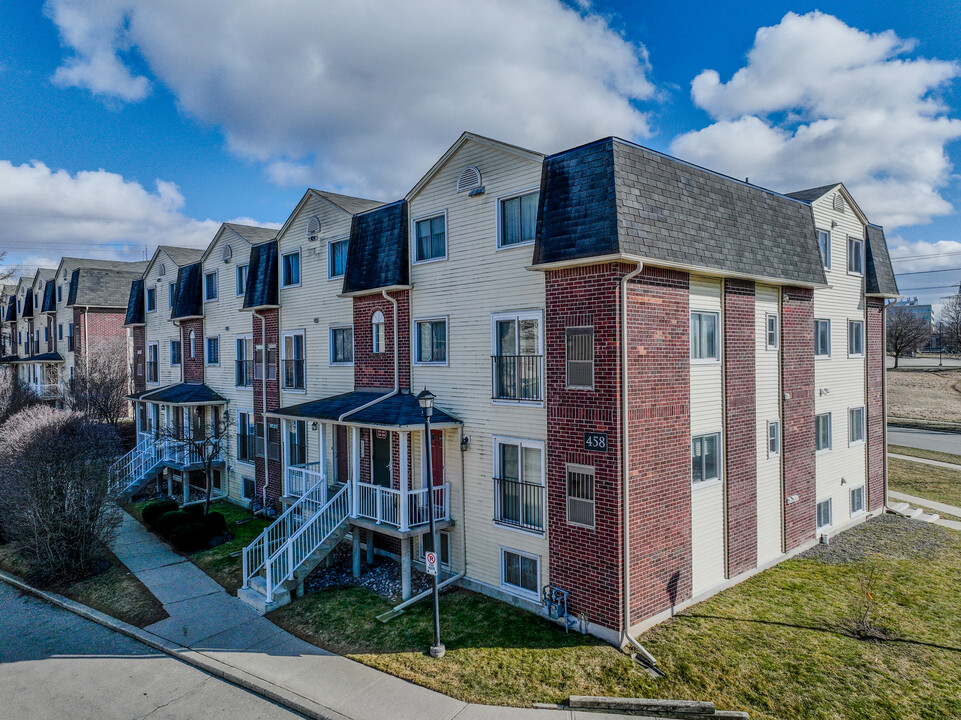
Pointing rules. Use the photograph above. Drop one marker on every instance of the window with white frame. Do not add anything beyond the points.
(773, 438)
(341, 345)
(246, 437)
(430, 239)
(244, 362)
(213, 351)
(248, 488)
(174, 352)
(193, 345)
(59, 293)
(520, 572)
(431, 341)
(336, 258)
(517, 356)
(822, 432)
(378, 333)
(519, 483)
(822, 338)
(293, 360)
(856, 426)
(60, 331)
(518, 220)
(857, 500)
(856, 338)
(426, 543)
(240, 276)
(771, 327)
(151, 299)
(153, 353)
(579, 357)
(824, 514)
(704, 344)
(705, 458)
(290, 269)
(824, 245)
(580, 495)
(210, 286)
(855, 256)
(171, 294)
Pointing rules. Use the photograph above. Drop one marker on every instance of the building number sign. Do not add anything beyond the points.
(595, 442)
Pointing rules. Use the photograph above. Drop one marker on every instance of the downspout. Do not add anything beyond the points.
(396, 366)
(646, 658)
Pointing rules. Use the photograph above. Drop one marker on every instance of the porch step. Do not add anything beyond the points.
(927, 517)
(898, 508)
(914, 513)
(255, 596)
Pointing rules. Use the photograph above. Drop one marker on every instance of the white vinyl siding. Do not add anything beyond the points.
(767, 390)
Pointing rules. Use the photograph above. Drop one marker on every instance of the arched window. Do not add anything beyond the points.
(378, 334)
(193, 344)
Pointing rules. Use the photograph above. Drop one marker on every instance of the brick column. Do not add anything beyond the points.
(876, 410)
(376, 370)
(193, 367)
(797, 385)
(740, 426)
(266, 331)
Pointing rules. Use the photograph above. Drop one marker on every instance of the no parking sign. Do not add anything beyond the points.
(431, 560)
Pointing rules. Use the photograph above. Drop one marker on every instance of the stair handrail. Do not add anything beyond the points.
(285, 560)
(122, 470)
(255, 554)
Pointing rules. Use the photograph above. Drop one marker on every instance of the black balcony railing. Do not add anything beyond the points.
(244, 371)
(151, 371)
(519, 504)
(246, 447)
(517, 377)
(294, 374)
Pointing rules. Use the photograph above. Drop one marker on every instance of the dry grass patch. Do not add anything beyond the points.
(926, 454)
(925, 394)
(926, 481)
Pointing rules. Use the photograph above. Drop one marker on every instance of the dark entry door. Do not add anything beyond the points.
(341, 454)
(380, 457)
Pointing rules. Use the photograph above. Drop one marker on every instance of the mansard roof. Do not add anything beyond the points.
(879, 275)
(49, 303)
(135, 304)
(188, 301)
(261, 290)
(378, 250)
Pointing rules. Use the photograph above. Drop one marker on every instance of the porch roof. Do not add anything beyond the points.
(9, 359)
(398, 411)
(181, 394)
(50, 357)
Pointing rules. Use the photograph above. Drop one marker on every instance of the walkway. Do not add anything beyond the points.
(942, 508)
(206, 620)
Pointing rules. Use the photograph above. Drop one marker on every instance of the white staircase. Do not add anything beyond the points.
(131, 471)
(285, 553)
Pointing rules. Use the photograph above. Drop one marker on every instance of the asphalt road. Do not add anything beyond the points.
(906, 362)
(54, 664)
(926, 439)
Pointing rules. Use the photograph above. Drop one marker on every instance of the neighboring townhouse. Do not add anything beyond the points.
(7, 345)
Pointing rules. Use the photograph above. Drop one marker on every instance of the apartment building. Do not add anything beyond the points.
(651, 380)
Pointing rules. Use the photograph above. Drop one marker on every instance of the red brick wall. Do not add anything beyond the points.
(659, 418)
(876, 419)
(797, 386)
(740, 426)
(376, 370)
(102, 325)
(139, 358)
(192, 367)
(266, 331)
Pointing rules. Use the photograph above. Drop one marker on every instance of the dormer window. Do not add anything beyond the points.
(378, 333)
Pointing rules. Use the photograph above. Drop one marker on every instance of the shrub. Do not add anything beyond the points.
(190, 537)
(216, 523)
(170, 521)
(155, 509)
(197, 510)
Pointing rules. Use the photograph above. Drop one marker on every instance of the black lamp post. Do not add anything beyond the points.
(426, 401)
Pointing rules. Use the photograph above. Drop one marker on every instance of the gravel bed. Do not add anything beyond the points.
(887, 535)
(382, 578)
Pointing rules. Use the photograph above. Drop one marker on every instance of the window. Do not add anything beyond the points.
(518, 220)
(273, 440)
(704, 336)
(336, 258)
(856, 426)
(265, 364)
(855, 256)
(705, 461)
(432, 341)
(427, 543)
(857, 500)
(70, 344)
(210, 286)
(378, 334)
(520, 572)
(46, 334)
(241, 273)
(151, 299)
(153, 353)
(772, 332)
(171, 294)
(213, 351)
(293, 361)
(822, 338)
(291, 269)
(580, 357)
(580, 495)
(773, 438)
(174, 352)
(59, 293)
(519, 483)
(824, 514)
(246, 437)
(430, 239)
(249, 488)
(296, 442)
(341, 345)
(824, 245)
(822, 430)
(517, 356)
(60, 331)
(193, 344)
(856, 338)
(244, 363)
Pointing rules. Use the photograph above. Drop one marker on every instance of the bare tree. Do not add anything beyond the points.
(202, 440)
(15, 395)
(6, 271)
(100, 382)
(907, 331)
(949, 323)
(54, 488)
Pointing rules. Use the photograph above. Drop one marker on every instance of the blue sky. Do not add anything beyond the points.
(124, 126)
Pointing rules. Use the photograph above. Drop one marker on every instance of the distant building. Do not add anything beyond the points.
(912, 305)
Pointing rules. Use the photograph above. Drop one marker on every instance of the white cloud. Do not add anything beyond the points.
(819, 101)
(364, 96)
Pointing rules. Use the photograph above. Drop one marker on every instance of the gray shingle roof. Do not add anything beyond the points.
(181, 255)
(75, 262)
(261, 290)
(135, 304)
(187, 298)
(183, 393)
(49, 303)
(252, 233)
(94, 287)
(812, 194)
(27, 304)
(612, 197)
(353, 205)
(400, 410)
(879, 276)
(378, 249)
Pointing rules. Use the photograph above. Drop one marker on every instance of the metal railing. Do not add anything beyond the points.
(417, 509)
(149, 453)
(519, 504)
(244, 373)
(294, 374)
(378, 503)
(298, 479)
(517, 377)
(386, 505)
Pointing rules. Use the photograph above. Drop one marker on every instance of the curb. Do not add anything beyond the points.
(265, 689)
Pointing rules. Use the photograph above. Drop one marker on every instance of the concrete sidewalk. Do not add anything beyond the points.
(931, 505)
(206, 621)
(925, 461)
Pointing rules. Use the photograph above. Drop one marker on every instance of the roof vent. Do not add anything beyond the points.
(313, 228)
(839, 203)
(162, 270)
(469, 179)
(228, 253)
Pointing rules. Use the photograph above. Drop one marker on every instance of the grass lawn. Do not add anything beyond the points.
(217, 562)
(774, 645)
(927, 454)
(114, 591)
(926, 481)
(925, 394)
